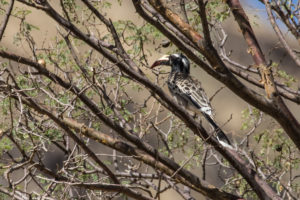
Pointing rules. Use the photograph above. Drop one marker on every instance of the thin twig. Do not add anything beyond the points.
(183, 10)
(6, 18)
(280, 35)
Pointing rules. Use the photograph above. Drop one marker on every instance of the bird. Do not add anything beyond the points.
(188, 91)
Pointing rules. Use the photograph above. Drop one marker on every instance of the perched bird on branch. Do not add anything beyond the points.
(188, 91)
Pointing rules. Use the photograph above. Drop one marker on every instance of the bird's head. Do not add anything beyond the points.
(178, 63)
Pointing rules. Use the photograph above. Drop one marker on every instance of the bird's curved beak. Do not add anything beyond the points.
(162, 61)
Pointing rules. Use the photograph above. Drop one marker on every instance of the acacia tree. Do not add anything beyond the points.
(81, 94)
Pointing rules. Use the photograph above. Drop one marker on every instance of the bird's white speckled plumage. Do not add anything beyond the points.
(182, 86)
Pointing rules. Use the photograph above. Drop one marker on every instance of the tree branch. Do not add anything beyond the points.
(6, 18)
(280, 35)
(285, 19)
(183, 10)
(253, 47)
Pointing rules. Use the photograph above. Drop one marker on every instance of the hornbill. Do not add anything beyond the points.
(188, 91)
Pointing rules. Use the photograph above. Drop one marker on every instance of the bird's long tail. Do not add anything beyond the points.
(221, 136)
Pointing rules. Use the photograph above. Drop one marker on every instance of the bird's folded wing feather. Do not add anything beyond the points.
(192, 90)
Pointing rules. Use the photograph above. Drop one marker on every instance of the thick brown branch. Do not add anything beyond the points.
(177, 21)
(253, 47)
